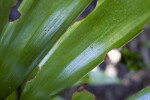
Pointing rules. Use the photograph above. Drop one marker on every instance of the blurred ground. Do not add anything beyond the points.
(130, 64)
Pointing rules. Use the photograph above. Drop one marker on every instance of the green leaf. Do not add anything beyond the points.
(83, 80)
(142, 95)
(26, 41)
(82, 96)
(57, 98)
(32, 74)
(5, 8)
(112, 24)
(12, 96)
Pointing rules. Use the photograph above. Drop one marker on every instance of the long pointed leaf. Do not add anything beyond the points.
(142, 95)
(26, 41)
(112, 24)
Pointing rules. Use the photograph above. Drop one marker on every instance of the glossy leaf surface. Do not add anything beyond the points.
(112, 24)
(26, 41)
(142, 95)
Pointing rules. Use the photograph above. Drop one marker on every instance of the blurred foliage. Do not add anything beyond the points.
(147, 44)
(147, 26)
(132, 60)
(98, 77)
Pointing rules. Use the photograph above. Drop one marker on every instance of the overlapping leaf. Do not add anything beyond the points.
(142, 95)
(112, 24)
(25, 42)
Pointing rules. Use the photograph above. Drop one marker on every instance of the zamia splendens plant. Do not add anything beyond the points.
(68, 50)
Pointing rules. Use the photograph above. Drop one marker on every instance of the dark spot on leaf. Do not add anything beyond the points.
(47, 30)
(14, 13)
(87, 11)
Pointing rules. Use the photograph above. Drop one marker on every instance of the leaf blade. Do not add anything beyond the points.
(142, 95)
(111, 25)
(26, 41)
